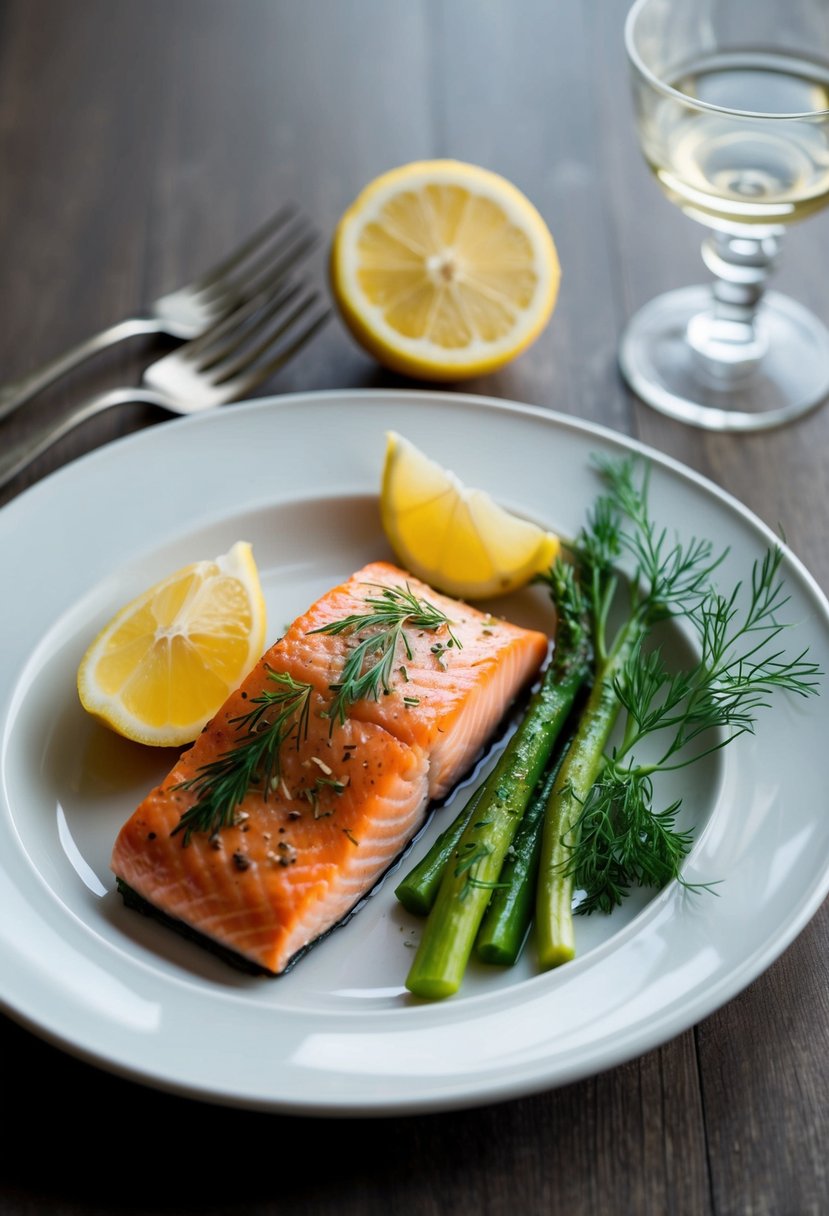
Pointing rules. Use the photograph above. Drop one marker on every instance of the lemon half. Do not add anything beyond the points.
(444, 270)
(457, 539)
(164, 664)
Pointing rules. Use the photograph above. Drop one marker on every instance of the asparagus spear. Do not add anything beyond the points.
(508, 917)
(667, 580)
(601, 833)
(574, 780)
(473, 868)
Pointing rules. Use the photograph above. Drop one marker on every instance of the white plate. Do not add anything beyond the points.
(338, 1034)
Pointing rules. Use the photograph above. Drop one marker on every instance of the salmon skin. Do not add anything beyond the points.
(302, 849)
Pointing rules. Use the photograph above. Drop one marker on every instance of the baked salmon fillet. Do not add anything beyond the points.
(264, 874)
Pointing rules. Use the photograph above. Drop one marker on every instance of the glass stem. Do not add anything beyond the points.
(728, 339)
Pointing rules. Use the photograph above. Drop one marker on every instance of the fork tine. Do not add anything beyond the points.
(257, 376)
(249, 322)
(243, 252)
(230, 325)
(274, 265)
(248, 356)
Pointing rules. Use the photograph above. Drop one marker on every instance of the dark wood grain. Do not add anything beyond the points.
(137, 141)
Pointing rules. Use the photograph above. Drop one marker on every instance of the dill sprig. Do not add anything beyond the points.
(573, 638)
(253, 762)
(623, 842)
(617, 840)
(370, 665)
(669, 578)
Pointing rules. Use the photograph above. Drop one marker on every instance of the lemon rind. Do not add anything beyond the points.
(433, 572)
(415, 355)
(107, 708)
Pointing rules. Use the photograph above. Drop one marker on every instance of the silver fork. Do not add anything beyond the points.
(190, 310)
(235, 356)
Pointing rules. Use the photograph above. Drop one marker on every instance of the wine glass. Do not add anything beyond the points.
(732, 108)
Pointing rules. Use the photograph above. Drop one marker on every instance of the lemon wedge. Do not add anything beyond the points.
(457, 539)
(164, 664)
(444, 270)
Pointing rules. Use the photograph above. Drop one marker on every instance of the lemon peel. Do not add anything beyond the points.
(165, 663)
(444, 270)
(456, 538)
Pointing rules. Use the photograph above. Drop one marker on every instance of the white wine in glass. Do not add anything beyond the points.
(732, 109)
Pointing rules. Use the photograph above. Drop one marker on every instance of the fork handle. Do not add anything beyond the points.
(14, 394)
(15, 459)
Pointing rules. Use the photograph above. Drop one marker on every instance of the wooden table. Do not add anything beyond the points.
(138, 140)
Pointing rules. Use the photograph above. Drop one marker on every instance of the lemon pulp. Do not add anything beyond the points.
(166, 662)
(457, 539)
(444, 270)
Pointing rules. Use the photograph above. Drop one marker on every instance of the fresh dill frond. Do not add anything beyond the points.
(617, 840)
(474, 855)
(253, 762)
(740, 665)
(623, 842)
(669, 577)
(572, 630)
(370, 666)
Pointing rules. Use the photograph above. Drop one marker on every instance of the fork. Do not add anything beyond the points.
(192, 309)
(236, 355)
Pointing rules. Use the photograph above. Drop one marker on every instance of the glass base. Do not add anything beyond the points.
(790, 378)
